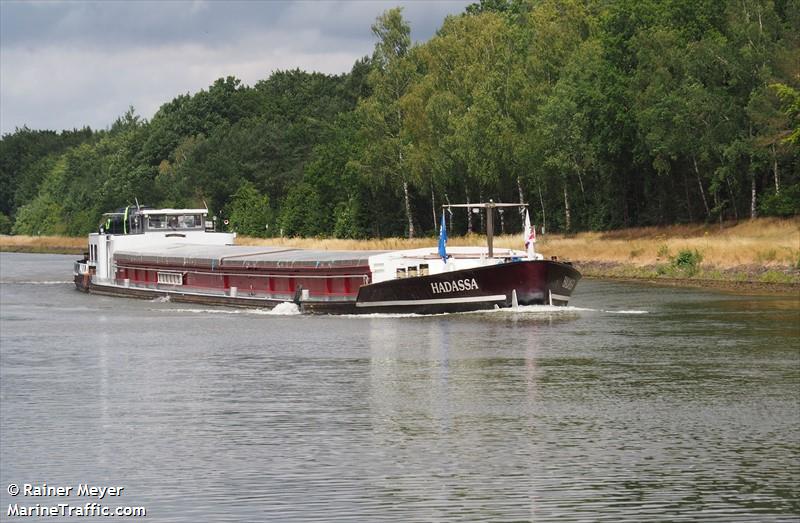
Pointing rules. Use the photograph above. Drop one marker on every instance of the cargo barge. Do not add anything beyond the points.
(148, 253)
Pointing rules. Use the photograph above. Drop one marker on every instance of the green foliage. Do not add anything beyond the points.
(600, 114)
(791, 100)
(302, 213)
(43, 215)
(5, 224)
(30, 179)
(25, 157)
(687, 261)
(784, 203)
(383, 117)
(346, 220)
(773, 276)
(225, 102)
(250, 213)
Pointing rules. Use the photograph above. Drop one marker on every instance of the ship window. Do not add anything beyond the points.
(158, 221)
(170, 278)
(112, 223)
(190, 221)
(401, 272)
(423, 269)
(412, 272)
(175, 221)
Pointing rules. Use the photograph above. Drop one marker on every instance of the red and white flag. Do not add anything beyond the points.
(530, 232)
(529, 235)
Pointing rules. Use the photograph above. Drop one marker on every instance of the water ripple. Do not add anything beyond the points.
(635, 404)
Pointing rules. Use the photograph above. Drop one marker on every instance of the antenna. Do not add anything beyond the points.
(137, 203)
(205, 204)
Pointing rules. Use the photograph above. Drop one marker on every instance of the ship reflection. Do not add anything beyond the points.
(446, 395)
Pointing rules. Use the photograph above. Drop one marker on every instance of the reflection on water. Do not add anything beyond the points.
(636, 403)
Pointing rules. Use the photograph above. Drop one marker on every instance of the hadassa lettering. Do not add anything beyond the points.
(439, 287)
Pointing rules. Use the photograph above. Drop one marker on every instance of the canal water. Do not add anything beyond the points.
(637, 403)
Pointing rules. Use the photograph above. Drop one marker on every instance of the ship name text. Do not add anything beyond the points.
(468, 284)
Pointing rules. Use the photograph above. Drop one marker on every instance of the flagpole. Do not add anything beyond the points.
(443, 239)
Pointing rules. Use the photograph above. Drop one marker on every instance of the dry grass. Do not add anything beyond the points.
(55, 244)
(378, 244)
(768, 242)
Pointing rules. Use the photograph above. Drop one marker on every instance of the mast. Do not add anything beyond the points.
(490, 207)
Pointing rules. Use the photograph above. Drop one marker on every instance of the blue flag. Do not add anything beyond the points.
(443, 240)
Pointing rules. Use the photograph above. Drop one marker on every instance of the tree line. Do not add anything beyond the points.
(599, 114)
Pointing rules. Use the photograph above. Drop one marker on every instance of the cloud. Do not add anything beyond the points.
(70, 64)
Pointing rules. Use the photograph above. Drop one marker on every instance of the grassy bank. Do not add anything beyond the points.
(763, 253)
(756, 254)
(43, 244)
(760, 253)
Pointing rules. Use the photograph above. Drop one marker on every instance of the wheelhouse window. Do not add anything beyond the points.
(190, 221)
(112, 223)
(157, 221)
(175, 222)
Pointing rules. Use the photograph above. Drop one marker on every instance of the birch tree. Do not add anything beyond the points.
(383, 115)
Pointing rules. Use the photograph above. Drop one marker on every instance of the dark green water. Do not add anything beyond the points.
(635, 404)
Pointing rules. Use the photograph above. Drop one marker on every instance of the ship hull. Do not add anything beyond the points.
(535, 282)
(81, 276)
(181, 296)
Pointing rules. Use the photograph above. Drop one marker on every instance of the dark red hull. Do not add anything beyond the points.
(495, 286)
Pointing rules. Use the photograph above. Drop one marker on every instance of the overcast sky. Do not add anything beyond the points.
(67, 64)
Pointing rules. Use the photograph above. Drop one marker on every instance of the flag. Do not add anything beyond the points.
(443, 240)
(529, 234)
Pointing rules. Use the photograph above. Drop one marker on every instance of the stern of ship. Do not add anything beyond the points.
(81, 275)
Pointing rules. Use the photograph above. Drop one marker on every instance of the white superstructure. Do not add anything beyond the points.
(425, 261)
(144, 228)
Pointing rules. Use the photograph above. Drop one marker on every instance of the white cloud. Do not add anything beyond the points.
(64, 88)
(89, 74)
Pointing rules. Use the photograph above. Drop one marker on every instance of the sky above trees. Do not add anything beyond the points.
(64, 65)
